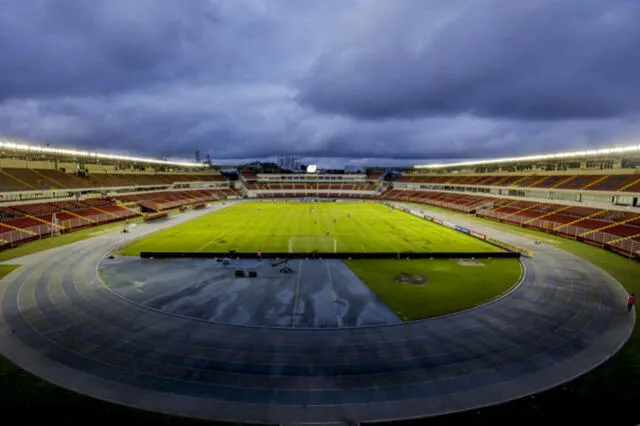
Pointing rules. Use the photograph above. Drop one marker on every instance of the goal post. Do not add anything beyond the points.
(311, 244)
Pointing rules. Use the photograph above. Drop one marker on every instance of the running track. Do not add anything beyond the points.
(59, 322)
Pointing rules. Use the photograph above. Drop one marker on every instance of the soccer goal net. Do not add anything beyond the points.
(311, 244)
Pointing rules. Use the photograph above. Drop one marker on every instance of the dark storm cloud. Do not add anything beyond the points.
(106, 47)
(333, 80)
(542, 59)
(76, 47)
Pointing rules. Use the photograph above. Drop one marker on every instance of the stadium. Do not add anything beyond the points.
(491, 290)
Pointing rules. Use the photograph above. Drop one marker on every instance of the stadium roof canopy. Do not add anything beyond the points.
(6, 145)
(559, 156)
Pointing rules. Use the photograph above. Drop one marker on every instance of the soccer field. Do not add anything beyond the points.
(304, 227)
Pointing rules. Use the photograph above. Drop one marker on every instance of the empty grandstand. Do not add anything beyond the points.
(46, 191)
(312, 185)
(591, 198)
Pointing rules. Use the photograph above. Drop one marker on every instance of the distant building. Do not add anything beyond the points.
(353, 169)
(290, 163)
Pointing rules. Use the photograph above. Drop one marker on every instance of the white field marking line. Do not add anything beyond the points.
(295, 300)
(333, 292)
(213, 240)
(226, 231)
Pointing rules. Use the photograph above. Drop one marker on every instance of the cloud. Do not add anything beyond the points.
(541, 60)
(75, 47)
(352, 81)
(265, 121)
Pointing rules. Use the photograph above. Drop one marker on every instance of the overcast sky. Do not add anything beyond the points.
(337, 81)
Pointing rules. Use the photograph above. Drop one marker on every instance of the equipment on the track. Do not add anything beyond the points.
(286, 269)
(239, 273)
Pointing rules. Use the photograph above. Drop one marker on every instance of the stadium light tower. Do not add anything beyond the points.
(37, 149)
(539, 157)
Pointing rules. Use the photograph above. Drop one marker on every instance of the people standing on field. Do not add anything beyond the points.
(631, 301)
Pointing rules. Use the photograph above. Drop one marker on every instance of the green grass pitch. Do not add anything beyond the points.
(304, 227)
(450, 287)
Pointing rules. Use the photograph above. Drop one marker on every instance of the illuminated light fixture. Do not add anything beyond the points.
(557, 156)
(87, 154)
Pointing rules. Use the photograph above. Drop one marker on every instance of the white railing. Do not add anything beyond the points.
(45, 230)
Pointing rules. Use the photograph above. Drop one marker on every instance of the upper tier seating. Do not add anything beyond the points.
(375, 175)
(23, 180)
(12, 179)
(248, 175)
(599, 182)
(315, 186)
(320, 189)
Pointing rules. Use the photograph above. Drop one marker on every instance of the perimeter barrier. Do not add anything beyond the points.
(329, 255)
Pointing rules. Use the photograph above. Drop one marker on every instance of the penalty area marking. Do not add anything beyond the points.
(213, 240)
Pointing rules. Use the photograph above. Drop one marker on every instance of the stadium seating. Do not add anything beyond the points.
(616, 229)
(166, 200)
(23, 222)
(248, 175)
(16, 179)
(596, 182)
(319, 189)
(613, 229)
(375, 175)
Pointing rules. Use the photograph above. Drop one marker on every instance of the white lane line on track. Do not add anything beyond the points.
(333, 292)
(295, 299)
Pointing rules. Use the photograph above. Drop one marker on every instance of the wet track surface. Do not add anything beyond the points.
(316, 294)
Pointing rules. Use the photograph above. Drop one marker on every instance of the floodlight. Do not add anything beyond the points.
(540, 157)
(48, 150)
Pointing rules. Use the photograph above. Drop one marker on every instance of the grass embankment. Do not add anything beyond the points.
(450, 286)
(356, 227)
(6, 269)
